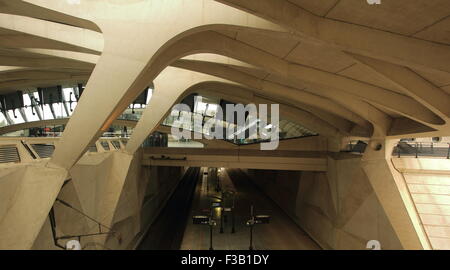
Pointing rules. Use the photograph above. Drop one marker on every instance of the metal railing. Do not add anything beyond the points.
(27, 149)
(187, 122)
(355, 147)
(421, 149)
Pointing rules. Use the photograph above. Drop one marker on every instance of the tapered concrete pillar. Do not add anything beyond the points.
(391, 191)
(27, 194)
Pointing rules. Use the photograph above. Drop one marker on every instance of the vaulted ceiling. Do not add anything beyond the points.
(364, 70)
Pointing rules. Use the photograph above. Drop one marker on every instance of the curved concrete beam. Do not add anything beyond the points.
(36, 75)
(429, 95)
(23, 8)
(214, 42)
(242, 95)
(26, 34)
(124, 68)
(195, 43)
(394, 48)
(166, 93)
(36, 60)
(287, 94)
(18, 39)
(12, 86)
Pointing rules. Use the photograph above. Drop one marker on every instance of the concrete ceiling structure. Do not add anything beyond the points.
(344, 69)
(395, 83)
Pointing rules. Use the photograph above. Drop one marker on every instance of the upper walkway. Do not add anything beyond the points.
(235, 158)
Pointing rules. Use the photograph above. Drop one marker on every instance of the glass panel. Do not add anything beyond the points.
(3, 121)
(17, 119)
(69, 97)
(200, 107)
(46, 112)
(287, 129)
(105, 145)
(212, 110)
(59, 110)
(28, 110)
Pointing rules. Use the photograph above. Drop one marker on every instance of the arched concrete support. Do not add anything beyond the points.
(242, 95)
(126, 65)
(167, 92)
(45, 62)
(380, 121)
(22, 8)
(26, 32)
(238, 27)
(42, 67)
(222, 44)
(395, 48)
(393, 195)
(8, 69)
(4, 69)
(228, 47)
(139, 47)
(267, 88)
(429, 95)
(37, 75)
(89, 59)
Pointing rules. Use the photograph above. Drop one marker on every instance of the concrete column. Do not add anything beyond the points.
(391, 190)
